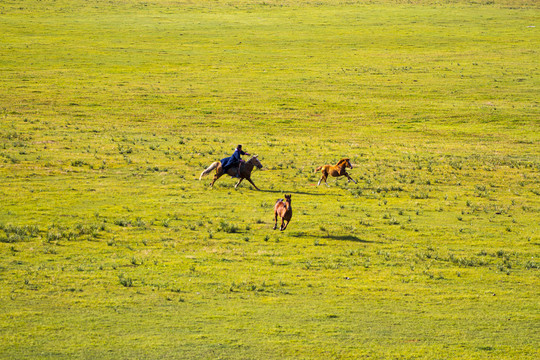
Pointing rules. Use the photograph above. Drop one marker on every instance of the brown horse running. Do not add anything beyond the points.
(335, 170)
(283, 209)
(245, 171)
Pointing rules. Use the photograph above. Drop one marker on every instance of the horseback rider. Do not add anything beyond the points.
(234, 160)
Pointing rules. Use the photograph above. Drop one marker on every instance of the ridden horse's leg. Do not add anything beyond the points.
(238, 183)
(216, 176)
(255, 186)
(219, 173)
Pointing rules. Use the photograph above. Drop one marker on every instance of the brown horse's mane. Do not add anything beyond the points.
(340, 162)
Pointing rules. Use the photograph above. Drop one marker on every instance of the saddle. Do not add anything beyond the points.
(237, 174)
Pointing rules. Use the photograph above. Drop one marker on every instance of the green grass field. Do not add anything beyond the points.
(111, 248)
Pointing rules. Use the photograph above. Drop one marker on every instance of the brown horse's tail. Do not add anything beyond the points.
(209, 169)
(319, 168)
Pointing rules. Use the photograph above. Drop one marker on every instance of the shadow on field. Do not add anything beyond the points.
(334, 237)
(293, 192)
(349, 238)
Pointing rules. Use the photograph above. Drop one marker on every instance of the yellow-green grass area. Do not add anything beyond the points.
(111, 247)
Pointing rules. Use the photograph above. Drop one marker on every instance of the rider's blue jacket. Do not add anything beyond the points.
(231, 161)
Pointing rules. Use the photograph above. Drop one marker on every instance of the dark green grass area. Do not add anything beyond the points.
(111, 247)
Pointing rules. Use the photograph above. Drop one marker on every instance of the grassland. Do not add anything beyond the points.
(110, 246)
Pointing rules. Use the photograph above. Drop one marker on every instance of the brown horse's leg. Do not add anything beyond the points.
(348, 177)
(275, 219)
(282, 224)
(323, 177)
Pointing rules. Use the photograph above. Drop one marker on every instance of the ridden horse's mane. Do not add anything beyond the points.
(253, 160)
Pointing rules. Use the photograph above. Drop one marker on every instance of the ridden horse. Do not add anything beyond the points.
(335, 170)
(283, 209)
(243, 173)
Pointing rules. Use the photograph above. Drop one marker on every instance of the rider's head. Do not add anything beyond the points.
(239, 147)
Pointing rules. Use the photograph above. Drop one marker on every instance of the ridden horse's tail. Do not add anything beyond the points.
(319, 168)
(209, 169)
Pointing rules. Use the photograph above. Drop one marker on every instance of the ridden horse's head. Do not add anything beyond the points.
(255, 161)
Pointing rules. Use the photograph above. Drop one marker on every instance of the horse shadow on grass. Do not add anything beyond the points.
(294, 192)
(349, 238)
(334, 237)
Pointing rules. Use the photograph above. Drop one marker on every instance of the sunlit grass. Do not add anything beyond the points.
(110, 246)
